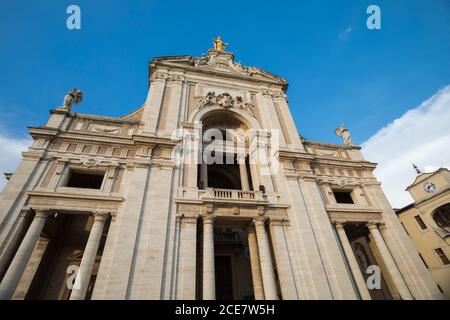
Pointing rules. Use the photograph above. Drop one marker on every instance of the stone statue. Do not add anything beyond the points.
(210, 98)
(73, 96)
(219, 45)
(342, 131)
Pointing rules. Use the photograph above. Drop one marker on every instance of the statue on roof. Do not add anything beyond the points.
(342, 132)
(73, 96)
(219, 45)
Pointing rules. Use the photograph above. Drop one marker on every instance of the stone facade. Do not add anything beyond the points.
(157, 225)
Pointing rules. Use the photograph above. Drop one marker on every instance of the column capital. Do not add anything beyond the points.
(100, 215)
(208, 218)
(372, 225)
(42, 213)
(260, 220)
(241, 158)
(339, 225)
(189, 219)
(251, 228)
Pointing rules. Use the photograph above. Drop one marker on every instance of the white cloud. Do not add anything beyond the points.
(10, 154)
(420, 136)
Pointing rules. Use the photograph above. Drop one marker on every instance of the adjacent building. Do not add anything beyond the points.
(427, 222)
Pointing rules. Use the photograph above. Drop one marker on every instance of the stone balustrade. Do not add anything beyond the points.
(233, 194)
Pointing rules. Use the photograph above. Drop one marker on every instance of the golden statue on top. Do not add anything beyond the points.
(219, 45)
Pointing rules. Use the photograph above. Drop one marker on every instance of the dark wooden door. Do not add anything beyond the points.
(224, 278)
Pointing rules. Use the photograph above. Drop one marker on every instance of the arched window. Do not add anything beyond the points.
(442, 216)
(224, 138)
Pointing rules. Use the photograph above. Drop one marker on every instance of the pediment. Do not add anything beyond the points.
(427, 175)
(219, 62)
(421, 177)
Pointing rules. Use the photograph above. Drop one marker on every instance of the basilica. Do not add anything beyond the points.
(206, 191)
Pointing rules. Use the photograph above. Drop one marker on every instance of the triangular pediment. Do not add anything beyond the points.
(219, 62)
(426, 175)
(421, 177)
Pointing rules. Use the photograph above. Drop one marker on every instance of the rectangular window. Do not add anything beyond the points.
(422, 224)
(442, 256)
(343, 196)
(85, 179)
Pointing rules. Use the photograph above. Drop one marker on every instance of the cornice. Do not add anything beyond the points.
(330, 145)
(286, 154)
(92, 137)
(74, 196)
(320, 160)
(103, 118)
(43, 132)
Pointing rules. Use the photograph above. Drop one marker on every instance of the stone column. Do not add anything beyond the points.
(243, 172)
(255, 178)
(255, 265)
(353, 264)
(87, 261)
(209, 280)
(13, 241)
(282, 260)
(389, 262)
(268, 276)
(30, 271)
(187, 258)
(259, 152)
(23, 254)
(204, 173)
(192, 150)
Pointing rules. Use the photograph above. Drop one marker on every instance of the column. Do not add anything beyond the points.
(255, 265)
(243, 172)
(209, 281)
(259, 152)
(30, 271)
(204, 173)
(13, 241)
(90, 254)
(353, 264)
(389, 262)
(282, 260)
(268, 276)
(191, 156)
(19, 263)
(187, 258)
(255, 177)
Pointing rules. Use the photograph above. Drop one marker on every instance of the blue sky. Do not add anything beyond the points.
(362, 78)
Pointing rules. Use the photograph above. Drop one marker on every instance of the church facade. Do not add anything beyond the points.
(207, 191)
